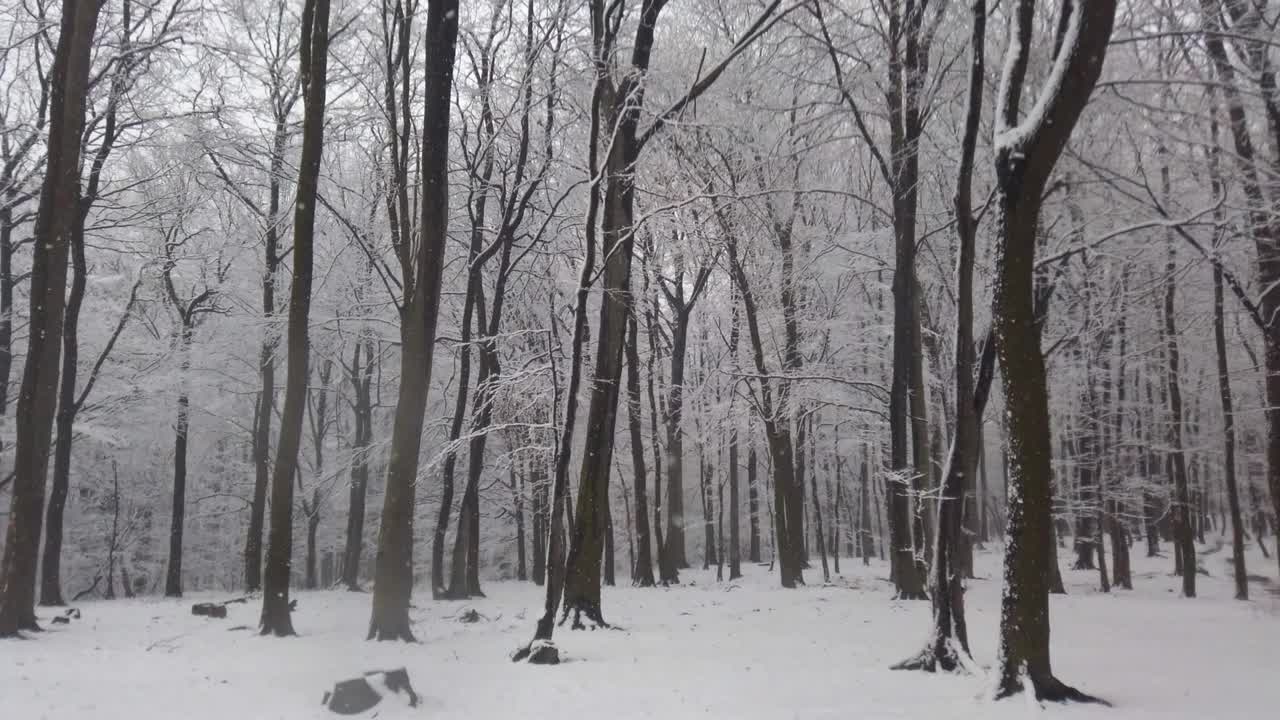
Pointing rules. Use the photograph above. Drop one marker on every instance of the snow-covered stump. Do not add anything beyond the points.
(538, 652)
(351, 697)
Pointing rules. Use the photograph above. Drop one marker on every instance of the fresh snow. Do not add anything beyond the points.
(740, 650)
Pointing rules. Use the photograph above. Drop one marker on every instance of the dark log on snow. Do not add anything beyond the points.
(213, 610)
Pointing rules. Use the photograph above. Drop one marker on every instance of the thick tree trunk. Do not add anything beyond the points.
(393, 575)
(37, 395)
(1026, 151)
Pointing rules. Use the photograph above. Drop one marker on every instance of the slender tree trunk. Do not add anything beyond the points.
(753, 506)
(177, 519)
(675, 541)
(778, 437)
(360, 378)
(949, 642)
(266, 365)
(866, 503)
(735, 541)
(642, 570)
(1182, 508)
(314, 51)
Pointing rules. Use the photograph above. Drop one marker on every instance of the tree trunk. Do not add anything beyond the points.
(393, 575)
(642, 570)
(777, 434)
(949, 626)
(266, 365)
(1026, 151)
(753, 506)
(675, 541)
(177, 519)
(37, 396)
(314, 56)
(583, 576)
(361, 379)
(735, 541)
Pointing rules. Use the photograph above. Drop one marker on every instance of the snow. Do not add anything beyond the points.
(743, 650)
(1016, 138)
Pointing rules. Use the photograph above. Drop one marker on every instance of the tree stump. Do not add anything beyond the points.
(213, 610)
(538, 652)
(351, 697)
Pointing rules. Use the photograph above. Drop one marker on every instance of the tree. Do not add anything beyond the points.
(136, 51)
(1026, 150)
(313, 61)
(55, 217)
(619, 102)
(422, 270)
(948, 645)
(190, 307)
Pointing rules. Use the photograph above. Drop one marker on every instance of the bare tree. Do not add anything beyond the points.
(59, 199)
(313, 61)
(1026, 150)
(422, 270)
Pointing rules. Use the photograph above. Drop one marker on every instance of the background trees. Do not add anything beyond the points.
(761, 230)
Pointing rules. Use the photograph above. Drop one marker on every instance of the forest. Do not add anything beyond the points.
(371, 349)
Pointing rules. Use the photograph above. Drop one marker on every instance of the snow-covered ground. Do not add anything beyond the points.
(743, 650)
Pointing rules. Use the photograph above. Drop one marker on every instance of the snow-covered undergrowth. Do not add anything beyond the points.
(746, 649)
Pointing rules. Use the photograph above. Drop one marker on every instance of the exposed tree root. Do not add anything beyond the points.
(590, 610)
(1049, 689)
(938, 657)
(398, 630)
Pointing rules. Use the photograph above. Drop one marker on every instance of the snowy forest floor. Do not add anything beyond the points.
(741, 650)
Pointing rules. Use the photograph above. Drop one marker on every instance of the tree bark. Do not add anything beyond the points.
(37, 395)
(642, 571)
(948, 646)
(360, 378)
(753, 506)
(393, 575)
(314, 56)
(177, 518)
(1026, 151)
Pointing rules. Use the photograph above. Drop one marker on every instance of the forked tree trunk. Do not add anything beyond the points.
(948, 645)
(1026, 151)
